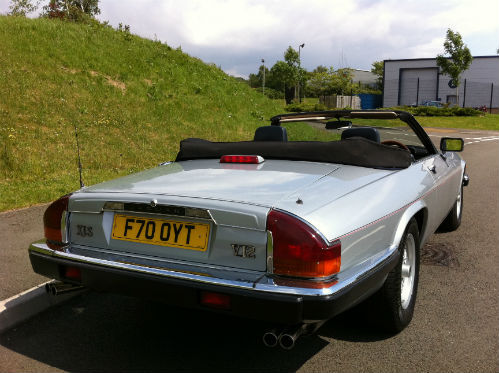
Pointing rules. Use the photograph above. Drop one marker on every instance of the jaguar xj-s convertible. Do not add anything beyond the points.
(290, 232)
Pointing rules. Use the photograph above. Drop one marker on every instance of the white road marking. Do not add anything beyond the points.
(472, 140)
(478, 140)
(28, 303)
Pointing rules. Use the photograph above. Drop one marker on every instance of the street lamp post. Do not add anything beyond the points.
(299, 70)
(263, 80)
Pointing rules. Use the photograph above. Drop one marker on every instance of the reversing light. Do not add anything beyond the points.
(298, 250)
(251, 159)
(215, 300)
(54, 223)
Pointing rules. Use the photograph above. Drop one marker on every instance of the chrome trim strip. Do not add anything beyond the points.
(300, 119)
(240, 227)
(149, 213)
(154, 209)
(264, 284)
(86, 212)
(270, 253)
(65, 227)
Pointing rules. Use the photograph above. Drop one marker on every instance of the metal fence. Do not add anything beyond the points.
(415, 91)
(339, 102)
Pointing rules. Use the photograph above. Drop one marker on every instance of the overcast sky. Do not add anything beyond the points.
(237, 34)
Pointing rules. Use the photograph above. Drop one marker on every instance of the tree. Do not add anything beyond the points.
(74, 10)
(256, 80)
(325, 82)
(458, 60)
(320, 69)
(378, 69)
(319, 82)
(22, 7)
(283, 78)
(291, 57)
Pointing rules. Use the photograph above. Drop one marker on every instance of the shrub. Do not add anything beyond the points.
(432, 111)
(271, 93)
(299, 108)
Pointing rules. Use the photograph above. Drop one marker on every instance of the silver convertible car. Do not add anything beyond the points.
(290, 232)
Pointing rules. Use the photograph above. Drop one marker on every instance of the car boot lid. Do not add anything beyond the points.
(274, 183)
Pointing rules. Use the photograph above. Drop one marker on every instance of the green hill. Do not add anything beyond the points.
(132, 100)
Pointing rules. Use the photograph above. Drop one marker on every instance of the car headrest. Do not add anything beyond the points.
(271, 133)
(365, 132)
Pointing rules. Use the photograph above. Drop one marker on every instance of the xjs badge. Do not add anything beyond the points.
(244, 251)
(84, 231)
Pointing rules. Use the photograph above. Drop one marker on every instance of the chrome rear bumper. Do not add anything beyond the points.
(256, 295)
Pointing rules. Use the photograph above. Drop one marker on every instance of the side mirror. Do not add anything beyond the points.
(337, 124)
(451, 144)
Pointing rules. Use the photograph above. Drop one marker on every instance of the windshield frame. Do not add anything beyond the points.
(360, 114)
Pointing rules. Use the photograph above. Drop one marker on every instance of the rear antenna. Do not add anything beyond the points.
(79, 160)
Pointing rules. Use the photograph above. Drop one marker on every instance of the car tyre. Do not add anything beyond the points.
(453, 220)
(396, 299)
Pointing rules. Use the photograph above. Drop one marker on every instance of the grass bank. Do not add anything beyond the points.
(485, 122)
(132, 100)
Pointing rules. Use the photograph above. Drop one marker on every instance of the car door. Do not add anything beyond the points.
(442, 195)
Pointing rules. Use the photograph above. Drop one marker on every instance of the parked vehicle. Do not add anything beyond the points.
(437, 104)
(291, 232)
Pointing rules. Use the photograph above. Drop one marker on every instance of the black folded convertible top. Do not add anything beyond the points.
(354, 151)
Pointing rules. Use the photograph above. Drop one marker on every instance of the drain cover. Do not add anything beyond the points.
(439, 254)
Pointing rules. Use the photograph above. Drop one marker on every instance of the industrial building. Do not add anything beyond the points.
(414, 81)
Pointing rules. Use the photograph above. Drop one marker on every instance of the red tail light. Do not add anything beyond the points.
(253, 159)
(299, 250)
(54, 223)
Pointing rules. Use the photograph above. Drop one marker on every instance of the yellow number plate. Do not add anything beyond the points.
(181, 234)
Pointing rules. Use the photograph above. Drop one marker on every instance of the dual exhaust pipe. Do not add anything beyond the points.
(59, 288)
(287, 337)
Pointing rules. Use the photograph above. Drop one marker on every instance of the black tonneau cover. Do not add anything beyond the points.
(354, 151)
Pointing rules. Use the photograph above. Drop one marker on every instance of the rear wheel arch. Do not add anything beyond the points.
(393, 304)
(419, 212)
(421, 218)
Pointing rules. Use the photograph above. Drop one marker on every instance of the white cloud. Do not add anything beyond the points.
(236, 34)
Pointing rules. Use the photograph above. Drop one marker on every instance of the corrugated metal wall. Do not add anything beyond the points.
(401, 83)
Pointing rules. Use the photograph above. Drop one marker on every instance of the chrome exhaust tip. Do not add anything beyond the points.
(271, 338)
(287, 341)
(59, 288)
(288, 338)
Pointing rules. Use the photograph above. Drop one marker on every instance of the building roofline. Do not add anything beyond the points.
(431, 59)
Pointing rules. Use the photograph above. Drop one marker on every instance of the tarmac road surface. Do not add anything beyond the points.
(455, 326)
